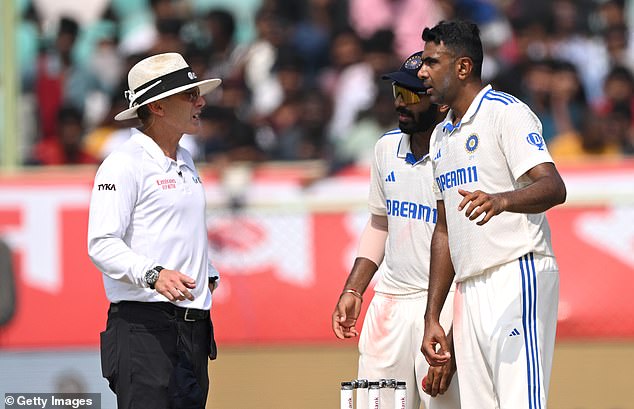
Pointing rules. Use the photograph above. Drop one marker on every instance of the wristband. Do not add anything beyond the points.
(353, 292)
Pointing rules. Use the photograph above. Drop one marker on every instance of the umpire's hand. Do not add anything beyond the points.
(175, 285)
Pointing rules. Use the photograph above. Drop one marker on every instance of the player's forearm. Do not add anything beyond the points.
(369, 255)
(362, 272)
(546, 190)
(440, 276)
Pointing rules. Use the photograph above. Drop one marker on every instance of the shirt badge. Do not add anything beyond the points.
(536, 140)
(472, 143)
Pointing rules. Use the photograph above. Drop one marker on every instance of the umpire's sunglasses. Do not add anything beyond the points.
(191, 94)
(409, 96)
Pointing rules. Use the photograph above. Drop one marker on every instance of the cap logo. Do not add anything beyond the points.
(191, 75)
(414, 62)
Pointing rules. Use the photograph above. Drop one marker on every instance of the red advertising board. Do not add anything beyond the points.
(284, 260)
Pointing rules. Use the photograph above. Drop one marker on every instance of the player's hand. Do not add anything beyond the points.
(480, 202)
(175, 285)
(439, 378)
(435, 346)
(344, 318)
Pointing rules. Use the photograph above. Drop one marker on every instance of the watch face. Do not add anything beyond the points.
(151, 276)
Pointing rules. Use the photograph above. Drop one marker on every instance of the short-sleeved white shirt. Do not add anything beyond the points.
(497, 141)
(402, 189)
(147, 210)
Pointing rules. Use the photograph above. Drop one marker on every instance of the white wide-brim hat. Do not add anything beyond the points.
(160, 76)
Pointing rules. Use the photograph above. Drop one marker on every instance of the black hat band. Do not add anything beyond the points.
(160, 85)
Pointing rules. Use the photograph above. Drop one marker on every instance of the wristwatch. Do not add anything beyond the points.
(152, 275)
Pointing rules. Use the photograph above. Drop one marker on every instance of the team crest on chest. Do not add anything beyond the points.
(472, 143)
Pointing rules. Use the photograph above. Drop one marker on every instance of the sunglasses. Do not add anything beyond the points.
(408, 96)
(191, 95)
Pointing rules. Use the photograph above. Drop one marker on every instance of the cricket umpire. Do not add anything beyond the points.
(147, 235)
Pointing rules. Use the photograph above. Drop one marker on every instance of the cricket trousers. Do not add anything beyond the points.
(155, 354)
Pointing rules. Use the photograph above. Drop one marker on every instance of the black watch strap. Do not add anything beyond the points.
(158, 269)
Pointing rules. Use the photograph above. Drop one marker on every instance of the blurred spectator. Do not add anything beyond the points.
(555, 93)
(168, 38)
(313, 31)
(593, 141)
(619, 123)
(140, 28)
(358, 147)
(618, 92)
(611, 13)
(528, 44)
(65, 147)
(224, 53)
(405, 18)
(244, 12)
(59, 81)
(346, 49)
(536, 83)
(234, 95)
(619, 53)
(571, 41)
(29, 32)
(296, 130)
(224, 138)
(259, 58)
(357, 85)
(108, 134)
(568, 102)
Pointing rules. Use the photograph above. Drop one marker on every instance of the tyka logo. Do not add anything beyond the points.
(106, 186)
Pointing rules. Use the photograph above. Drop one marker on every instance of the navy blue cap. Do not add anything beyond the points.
(407, 75)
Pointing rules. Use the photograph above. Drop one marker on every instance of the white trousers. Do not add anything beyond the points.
(389, 348)
(504, 334)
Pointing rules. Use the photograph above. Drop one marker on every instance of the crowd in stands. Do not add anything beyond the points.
(301, 79)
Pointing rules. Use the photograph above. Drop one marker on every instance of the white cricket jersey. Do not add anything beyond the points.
(497, 141)
(147, 210)
(401, 189)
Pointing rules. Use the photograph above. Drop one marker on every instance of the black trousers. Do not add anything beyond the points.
(155, 355)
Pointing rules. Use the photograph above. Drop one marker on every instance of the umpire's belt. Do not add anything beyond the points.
(191, 314)
(180, 313)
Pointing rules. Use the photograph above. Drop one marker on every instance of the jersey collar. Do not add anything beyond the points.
(157, 154)
(448, 126)
(404, 151)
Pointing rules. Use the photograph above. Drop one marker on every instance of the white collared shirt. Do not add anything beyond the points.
(148, 210)
(401, 188)
(497, 141)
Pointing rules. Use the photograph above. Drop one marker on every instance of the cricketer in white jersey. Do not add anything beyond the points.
(403, 211)
(494, 181)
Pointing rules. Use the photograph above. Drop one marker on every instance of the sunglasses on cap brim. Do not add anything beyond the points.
(408, 96)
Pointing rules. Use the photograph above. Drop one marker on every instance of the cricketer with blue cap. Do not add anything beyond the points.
(396, 242)
(407, 75)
